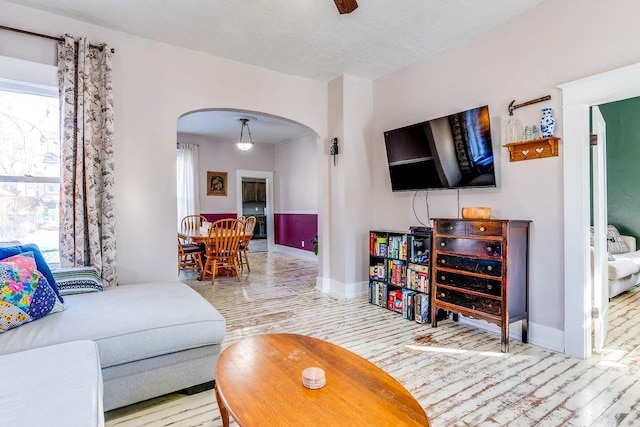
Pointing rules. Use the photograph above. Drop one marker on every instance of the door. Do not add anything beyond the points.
(266, 178)
(599, 282)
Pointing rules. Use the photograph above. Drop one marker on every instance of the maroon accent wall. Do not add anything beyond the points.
(217, 216)
(292, 229)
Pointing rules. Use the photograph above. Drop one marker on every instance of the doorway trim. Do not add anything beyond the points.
(577, 98)
(268, 210)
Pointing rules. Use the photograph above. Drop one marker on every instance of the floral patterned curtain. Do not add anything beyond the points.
(87, 217)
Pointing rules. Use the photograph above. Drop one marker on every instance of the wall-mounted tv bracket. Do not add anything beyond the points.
(524, 104)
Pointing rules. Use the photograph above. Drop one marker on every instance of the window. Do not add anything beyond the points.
(30, 164)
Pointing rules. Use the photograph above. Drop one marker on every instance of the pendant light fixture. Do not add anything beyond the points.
(246, 142)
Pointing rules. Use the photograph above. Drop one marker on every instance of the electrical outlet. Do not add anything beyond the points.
(256, 209)
(302, 243)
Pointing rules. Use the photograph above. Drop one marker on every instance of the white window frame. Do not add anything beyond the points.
(27, 77)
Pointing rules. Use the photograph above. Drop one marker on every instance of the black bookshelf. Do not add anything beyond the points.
(399, 272)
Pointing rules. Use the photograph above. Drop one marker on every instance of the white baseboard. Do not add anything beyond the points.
(296, 252)
(342, 290)
(540, 335)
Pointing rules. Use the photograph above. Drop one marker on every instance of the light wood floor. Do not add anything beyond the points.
(455, 371)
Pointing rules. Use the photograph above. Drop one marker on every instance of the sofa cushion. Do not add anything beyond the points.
(615, 244)
(621, 268)
(43, 267)
(77, 280)
(55, 386)
(25, 294)
(129, 323)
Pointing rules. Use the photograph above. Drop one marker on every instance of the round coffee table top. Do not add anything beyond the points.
(259, 381)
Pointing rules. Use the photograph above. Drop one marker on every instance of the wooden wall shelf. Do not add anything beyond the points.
(534, 149)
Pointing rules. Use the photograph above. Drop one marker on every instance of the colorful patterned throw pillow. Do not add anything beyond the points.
(25, 294)
(41, 263)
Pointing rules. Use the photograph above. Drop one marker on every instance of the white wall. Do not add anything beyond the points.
(296, 177)
(526, 58)
(154, 83)
(350, 120)
(225, 157)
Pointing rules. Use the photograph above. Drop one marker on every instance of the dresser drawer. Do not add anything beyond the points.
(489, 267)
(472, 283)
(484, 228)
(451, 227)
(473, 302)
(487, 248)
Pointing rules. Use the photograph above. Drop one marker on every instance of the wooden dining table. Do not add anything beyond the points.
(195, 236)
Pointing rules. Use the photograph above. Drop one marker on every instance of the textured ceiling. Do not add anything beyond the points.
(301, 37)
(306, 38)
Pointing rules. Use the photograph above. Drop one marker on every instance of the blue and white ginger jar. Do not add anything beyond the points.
(547, 123)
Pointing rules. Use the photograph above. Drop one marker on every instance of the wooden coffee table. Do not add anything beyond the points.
(259, 382)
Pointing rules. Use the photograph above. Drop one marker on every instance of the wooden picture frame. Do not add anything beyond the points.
(216, 183)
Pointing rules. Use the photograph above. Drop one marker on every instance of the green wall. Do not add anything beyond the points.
(623, 164)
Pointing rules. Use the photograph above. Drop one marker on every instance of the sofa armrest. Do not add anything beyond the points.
(630, 241)
(63, 387)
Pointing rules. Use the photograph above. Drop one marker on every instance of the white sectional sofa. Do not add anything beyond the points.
(624, 269)
(59, 385)
(149, 339)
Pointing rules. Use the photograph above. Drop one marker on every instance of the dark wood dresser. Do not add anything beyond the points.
(480, 270)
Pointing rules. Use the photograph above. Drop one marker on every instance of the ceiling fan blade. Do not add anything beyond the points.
(346, 6)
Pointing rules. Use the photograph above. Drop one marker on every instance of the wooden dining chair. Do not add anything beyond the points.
(193, 222)
(189, 255)
(243, 250)
(222, 247)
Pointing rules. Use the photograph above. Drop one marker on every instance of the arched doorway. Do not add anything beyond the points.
(283, 155)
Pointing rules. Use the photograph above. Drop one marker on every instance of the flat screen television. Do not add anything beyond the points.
(448, 152)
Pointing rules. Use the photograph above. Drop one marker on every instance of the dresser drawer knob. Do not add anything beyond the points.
(489, 287)
(443, 261)
(489, 268)
(443, 244)
(443, 278)
(489, 248)
(483, 229)
(442, 294)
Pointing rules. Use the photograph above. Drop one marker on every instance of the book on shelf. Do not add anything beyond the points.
(397, 272)
(395, 300)
(418, 277)
(382, 294)
(378, 244)
(422, 308)
(408, 303)
(372, 243)
(378, 271)
(398, 246)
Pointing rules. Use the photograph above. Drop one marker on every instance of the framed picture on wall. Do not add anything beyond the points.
(216, 183)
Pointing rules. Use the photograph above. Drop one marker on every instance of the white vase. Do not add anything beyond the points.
(547, 123)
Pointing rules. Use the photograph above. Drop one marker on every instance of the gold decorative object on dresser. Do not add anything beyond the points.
(480, 270)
